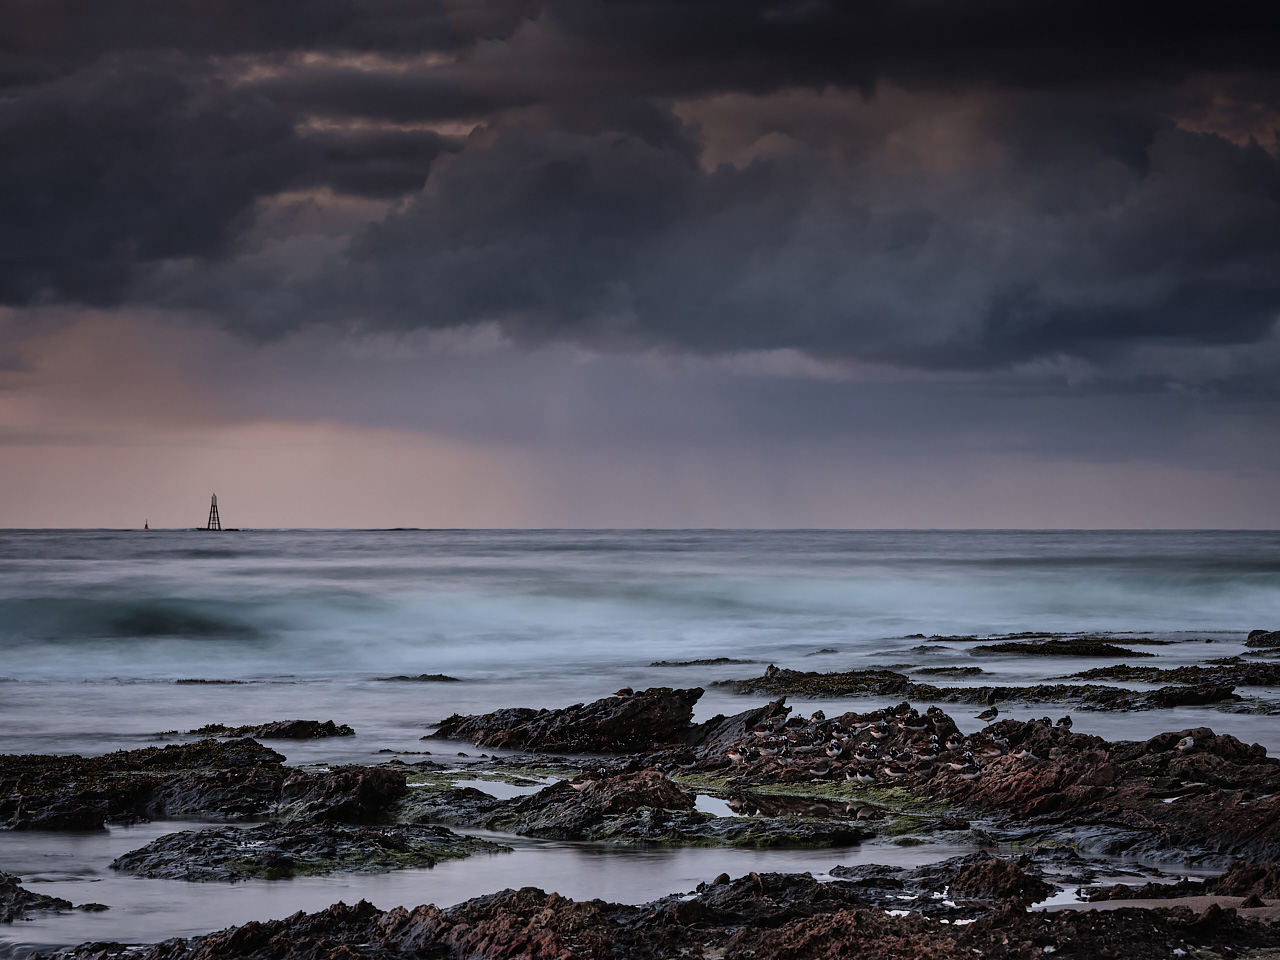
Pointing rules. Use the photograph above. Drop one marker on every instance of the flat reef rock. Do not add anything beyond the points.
(888, 683)
(1228, 670)
(618, 724)
(278, 851)
(760, 916)
(279, 730)
(637, 807)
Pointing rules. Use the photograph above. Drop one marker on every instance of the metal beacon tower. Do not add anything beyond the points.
(215, 523)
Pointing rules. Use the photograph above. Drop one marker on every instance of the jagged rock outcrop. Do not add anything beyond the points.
(639, 721)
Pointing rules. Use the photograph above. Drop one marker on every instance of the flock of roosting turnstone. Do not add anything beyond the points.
(883, 746)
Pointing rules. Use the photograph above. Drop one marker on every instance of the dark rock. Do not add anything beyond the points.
(712, 662)
(423, 678)
(980, 882)
(351, 794)
(1223, 792)
(83, 793)
(241, 793)
(279, 851)
(761, 916)
(636, 807)
(1227, 670)
(997, 879)
(720, 731)
(16, 902)
(1263, 638)
(279, 730)
(1073, 647)
(1241, 880)
(646, 720)
(880, 683)
(1179, 696)
(1252, 901)
(889, 683)
(1248, 880)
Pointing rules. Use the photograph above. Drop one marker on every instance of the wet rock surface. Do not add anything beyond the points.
(279, 851)
(759, 916)
(352, 794)
(279, 730)
(1265, 639)
(423, 678)
(1181, 792)
(83, 793)
(1226, 671)
(957, 888)
(887, 683)
(1261, 880)
(1072, 647)
(17, 902)
(216, 779)
(619, 724)
(636, 807)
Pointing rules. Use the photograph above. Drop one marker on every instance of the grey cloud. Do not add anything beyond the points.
(1156, 236)
(122, 166)
(47, 38)
(584, 210)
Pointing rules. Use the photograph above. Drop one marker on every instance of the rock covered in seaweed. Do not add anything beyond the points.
(642, 806)
(277, 851)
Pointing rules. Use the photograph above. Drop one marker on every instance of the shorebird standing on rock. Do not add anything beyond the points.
(989, 714)
(1064, 723)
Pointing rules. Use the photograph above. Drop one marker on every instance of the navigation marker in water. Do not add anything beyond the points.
(214, 522)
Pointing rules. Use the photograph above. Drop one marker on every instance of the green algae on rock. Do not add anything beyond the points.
(279, 851)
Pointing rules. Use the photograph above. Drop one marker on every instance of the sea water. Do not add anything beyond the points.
(101, 630)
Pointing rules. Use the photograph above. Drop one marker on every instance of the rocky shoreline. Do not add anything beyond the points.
(1049, 808)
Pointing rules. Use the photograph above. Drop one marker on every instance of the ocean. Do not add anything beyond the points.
(102, 633)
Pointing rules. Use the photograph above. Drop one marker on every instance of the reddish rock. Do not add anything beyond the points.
(641, 721)
(998, 879)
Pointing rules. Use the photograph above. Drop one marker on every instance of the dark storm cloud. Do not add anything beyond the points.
(1147, 234)
(399, 96)
(142, 137)
(111, 168)
(124, 165)
(42, 38)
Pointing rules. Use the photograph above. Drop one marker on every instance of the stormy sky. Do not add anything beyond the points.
(893, 263)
